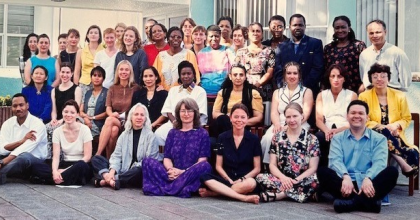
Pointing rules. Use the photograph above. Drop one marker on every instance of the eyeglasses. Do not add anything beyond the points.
(380, 75)
(184, 111)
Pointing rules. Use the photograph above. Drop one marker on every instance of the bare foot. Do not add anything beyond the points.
(206, 193)
(252, 199)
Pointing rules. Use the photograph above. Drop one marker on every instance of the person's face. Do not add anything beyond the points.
(97, 79)
(293, 118)
(149, 78)
(277, 28)
(297, 27)
(157, 33)
(377, 34)
(93, 35)
(341, 29)
(187, 28)
(255, 33)
(38, 76)
(226, 29)
(69, 114)
(110, 39)
(19, 107)
(138, 118)
(292, 75)
(238, 39)
(124, 72)
(129, 38)
(357, 117)
(32, 43)
(213, 38)
(239, 118)
(199, 37)
(65, 74)
(73, 40)
(62, 44)
(187, 76)
(380, 80)
(237, 76)
(336, 79)
(119, 31)
(43, 45)
(175, 39)
(147, 27)
(186, 115)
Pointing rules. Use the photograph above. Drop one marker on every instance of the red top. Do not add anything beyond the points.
(152, 52)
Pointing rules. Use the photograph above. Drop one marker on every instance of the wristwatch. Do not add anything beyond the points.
(93, 118)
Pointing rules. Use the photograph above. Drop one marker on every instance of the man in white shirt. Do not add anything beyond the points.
(23, 140)
(384, 53)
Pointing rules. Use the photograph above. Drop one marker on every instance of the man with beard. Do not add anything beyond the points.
(23, 140)
(305, 50)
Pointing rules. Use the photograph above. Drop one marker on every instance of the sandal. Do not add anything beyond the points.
(265, 197)
(116, 185)
(97, 183)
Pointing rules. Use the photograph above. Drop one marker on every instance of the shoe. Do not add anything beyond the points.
(116, 185)
(376, 206)
(97, 183)
(344, 205)
(265, 197)
(414, 172)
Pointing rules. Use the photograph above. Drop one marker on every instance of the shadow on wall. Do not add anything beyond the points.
(10, 86)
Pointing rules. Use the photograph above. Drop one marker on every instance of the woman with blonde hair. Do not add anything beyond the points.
(118, 101)
(106, 58)
(119, 31)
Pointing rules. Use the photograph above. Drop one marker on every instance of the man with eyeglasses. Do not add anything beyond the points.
(384, 53)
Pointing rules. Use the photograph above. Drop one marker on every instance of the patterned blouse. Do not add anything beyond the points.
(347, 56)
(293, 160)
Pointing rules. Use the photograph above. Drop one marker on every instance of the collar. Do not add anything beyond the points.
(293, 41)
(301, 138)
(189, 88)
(366, 133)
(384, 47)
(26, 123)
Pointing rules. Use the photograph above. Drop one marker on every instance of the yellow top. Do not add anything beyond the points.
(237, 98)
(87, 63)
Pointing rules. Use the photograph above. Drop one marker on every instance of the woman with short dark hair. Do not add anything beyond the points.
(158, 35)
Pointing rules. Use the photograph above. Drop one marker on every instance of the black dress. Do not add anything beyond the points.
(154, 106)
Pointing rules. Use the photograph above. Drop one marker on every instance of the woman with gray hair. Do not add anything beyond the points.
(134, 144)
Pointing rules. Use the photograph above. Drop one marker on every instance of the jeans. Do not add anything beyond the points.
(132, 177)
(19, 166)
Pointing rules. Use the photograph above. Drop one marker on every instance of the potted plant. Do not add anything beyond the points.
(5, 108)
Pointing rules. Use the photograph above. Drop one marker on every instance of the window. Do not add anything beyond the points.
(16, 22)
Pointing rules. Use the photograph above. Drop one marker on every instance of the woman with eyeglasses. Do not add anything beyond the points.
(277, 25)
(390, 115)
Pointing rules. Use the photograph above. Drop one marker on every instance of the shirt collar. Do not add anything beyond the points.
(293, 41)
(189, 88)
(27, 121)
(301, 138)
(366, 133)
(384, 47)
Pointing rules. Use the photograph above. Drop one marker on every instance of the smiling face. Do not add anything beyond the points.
(157, 33)
(119, 31)
(110, 39)
(239, 118)
(129, 38)
(175, 39)
(237, 75)
(187, 76)
(238, 38)
(73, 40)
(292, 75)
(297, 28)
(149, 78)
(186, 115)
(380, 80)
(341, 29)
(138, 118)
(93, 35)
(97, 78)
(43, 45)
(65, 74)
(20, 107)
(336, 79)
(357, 117)
(124, 72)
(187, 28)
(226, 29)
(39, 76)
(377, 34)
(199, 37)
(213, 38)
(293, 118)
(32, 43)
(69, 114)
(147, 27)
(277, 28)
(255, 33)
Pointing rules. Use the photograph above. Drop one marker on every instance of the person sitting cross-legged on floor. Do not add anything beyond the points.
(357, 175)
(134, 144)
(238, 161)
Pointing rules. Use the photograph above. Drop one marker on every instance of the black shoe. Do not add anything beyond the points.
(343, 205)
(374, 206)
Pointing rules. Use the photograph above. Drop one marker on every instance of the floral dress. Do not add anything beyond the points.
(256, 66)
(292, 161)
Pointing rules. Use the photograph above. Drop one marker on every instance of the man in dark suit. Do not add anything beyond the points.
(305, 50)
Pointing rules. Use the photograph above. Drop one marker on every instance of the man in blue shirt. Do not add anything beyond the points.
(357, 175)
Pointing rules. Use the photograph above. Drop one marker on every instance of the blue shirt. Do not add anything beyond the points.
(361, 158)
(48, 63)
(40, 105)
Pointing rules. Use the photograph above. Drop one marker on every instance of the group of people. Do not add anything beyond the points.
(135, 97)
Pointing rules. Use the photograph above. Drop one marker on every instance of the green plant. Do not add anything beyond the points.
(5, 100)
